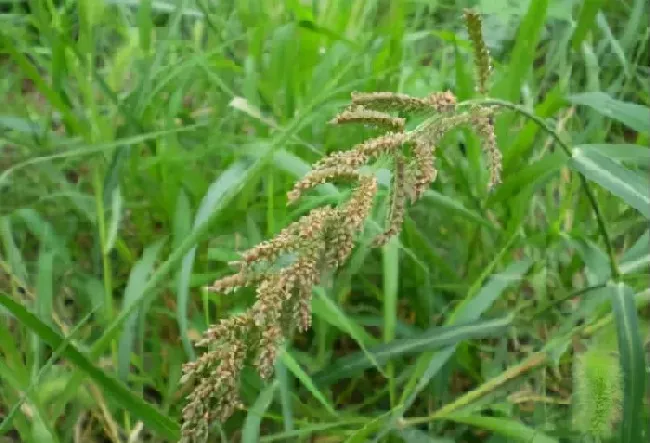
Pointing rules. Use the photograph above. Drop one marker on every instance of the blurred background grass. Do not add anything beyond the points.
(143, 143)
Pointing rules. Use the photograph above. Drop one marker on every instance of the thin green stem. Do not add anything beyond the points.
(106, 263)
(602, 227)
(532, 362)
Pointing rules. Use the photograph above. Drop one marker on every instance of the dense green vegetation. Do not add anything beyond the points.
(143, 144)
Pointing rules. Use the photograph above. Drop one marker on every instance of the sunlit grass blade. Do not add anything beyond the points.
(637, 155)
(629, 185)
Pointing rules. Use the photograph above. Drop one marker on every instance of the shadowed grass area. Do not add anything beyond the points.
(145, 144)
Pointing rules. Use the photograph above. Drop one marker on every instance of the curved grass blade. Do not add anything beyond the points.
(620, 181)
(150, 416)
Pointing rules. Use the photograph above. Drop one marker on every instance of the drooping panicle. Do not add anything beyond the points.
(285, 268)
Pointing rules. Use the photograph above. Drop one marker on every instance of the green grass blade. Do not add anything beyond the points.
(632, 115)
(586, 21)
(636, 256)
(52, 96)
(390, 255)
(629, 185)
(114, 223)
(431, 339)
(508, 85)
(214, 200)
(632, 358)
(293, 366)
(12, 253)
(362, 434)
(470, 310)
(326, 309)
(174, 258)
(417, 436)
(285, 387)
(510, 428)
(474, 306)
(182, 228)
(136, 406)
(532, 175)
(251, 429)
(137, 279)
(44, 299)
(38, 376)
(448, 203)
(636, 155)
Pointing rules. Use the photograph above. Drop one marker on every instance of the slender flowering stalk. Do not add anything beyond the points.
(285, 269)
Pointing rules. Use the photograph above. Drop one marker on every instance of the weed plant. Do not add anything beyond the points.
(421, 252)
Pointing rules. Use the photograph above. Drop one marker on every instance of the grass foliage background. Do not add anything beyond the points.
(143, 143)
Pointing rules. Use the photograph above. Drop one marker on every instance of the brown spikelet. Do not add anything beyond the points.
(482, 61)
(442, 101)
(359, 114)
(385, 144)
(485, 128)
(425, 171)
(319, 176)
(397, 203)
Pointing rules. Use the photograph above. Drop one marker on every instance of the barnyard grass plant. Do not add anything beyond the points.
(321, 241)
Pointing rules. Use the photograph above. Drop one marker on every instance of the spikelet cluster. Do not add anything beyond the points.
(285, 268)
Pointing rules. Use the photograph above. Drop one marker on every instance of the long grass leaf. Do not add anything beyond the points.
(433, 338)
(510, 428)
(632, 115)
(251, 429)
(632, 358)
(292, 365)
(137, 279)
(629, 185)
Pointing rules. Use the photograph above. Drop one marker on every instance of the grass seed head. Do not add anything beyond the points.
(322, 240)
